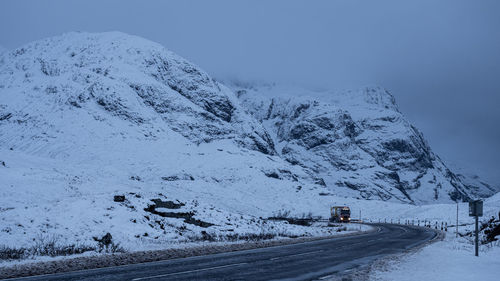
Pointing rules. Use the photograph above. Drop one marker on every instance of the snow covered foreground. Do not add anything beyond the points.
(452, 259)
(87, 117)
(66, 205)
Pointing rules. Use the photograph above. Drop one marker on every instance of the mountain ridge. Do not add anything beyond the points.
(143, 83)
(367, 116)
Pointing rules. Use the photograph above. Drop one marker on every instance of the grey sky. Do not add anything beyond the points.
(441, 59)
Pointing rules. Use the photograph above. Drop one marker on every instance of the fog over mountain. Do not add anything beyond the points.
(439, 60)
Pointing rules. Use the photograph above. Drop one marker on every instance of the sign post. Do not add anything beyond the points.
(476, 211)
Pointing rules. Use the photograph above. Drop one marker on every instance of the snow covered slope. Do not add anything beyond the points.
(85, 117)
(108, 80)
(358, 142)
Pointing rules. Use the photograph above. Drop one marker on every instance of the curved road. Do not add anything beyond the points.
(304, 261)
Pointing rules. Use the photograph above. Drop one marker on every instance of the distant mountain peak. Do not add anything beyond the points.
(358, 142)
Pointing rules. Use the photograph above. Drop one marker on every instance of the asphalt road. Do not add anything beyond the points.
(304, 261)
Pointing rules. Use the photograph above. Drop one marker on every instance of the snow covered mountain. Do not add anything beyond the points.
(477, 185)
(357, 142)
(85, 117)
(80, 76)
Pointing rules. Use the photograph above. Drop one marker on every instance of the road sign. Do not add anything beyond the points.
(476, 208)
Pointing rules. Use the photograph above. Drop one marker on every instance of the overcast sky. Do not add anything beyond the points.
(440, 59)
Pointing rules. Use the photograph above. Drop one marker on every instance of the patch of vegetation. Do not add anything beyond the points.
(281, 214)
(214, 237)
(339, 227)
(107, 245)
(44, 246)
(178, 177)
(304, 219)
(489, 231)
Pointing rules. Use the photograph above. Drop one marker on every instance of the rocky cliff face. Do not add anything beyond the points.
(357, 142)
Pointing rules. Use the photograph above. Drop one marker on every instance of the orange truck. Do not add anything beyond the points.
(340, 214)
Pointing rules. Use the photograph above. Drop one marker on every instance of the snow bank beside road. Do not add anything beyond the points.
(64, 264)
(451, 259)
